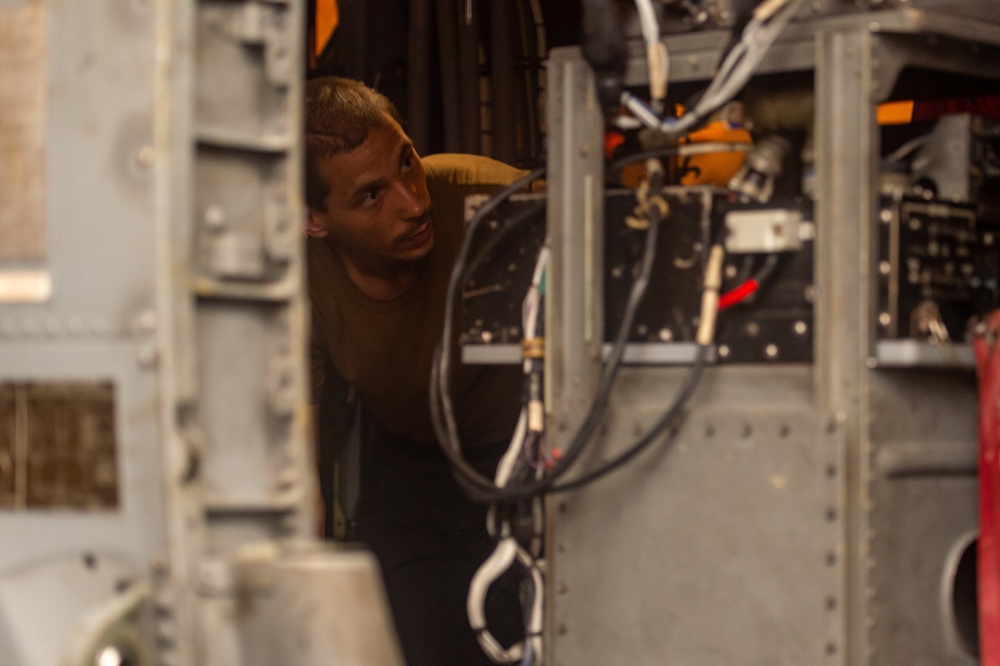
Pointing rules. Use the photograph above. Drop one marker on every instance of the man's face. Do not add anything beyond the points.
(378, 208)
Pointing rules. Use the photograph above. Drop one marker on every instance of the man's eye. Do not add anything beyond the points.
(407, 160)
(370, 197)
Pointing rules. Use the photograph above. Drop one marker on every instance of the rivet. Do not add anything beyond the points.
(215, 217)
(147, 320)
(145, 156)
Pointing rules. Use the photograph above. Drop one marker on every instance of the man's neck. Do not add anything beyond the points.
(381, 281)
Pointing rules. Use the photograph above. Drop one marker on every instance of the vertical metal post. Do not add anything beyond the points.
(575, 224)
(575, 215)
(847, 153)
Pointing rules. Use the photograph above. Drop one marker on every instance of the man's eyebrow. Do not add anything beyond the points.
(405, 149)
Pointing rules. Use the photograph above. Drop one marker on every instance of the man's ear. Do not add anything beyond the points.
(317, 224)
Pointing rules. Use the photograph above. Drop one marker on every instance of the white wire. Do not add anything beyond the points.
(735, 70)
(506, 465)
(907, 148)
(508, 549)
(530, 307)
(502, 558)
(657, 58)
(647, 21)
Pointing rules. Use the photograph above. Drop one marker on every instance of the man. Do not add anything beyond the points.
(384, 228)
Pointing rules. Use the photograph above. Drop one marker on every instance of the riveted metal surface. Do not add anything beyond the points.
(719, 547)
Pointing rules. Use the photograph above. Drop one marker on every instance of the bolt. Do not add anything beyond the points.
(147, 320)
(215, 217)
(144, 156)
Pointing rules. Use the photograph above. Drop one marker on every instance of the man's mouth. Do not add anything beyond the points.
(420, 232)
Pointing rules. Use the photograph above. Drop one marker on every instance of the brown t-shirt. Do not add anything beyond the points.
(384, 349)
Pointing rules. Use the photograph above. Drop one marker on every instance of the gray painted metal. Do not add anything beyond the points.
(172, 241)
(804, 514)
(98, 323)
(574, 215)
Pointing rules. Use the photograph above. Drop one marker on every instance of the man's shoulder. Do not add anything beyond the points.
(469, 170)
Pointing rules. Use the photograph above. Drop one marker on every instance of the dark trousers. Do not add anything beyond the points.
(430, 539)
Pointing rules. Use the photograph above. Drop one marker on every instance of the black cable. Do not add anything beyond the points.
(603, 392)
(475, 484)
(442, 409)
(668, 419)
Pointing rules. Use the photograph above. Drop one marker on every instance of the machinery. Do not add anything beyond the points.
(814, 499)
(773, 465)
(157, 501)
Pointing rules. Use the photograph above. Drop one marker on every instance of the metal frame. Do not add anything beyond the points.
(815, 517)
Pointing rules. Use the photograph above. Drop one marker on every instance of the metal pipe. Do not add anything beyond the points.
(447, 21)
(417, 76)
(469, 79)
(505, 91)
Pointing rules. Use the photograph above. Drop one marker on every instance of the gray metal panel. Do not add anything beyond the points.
(31, 536)
(918, 523)
(100, 320)
(719, 548)
(99, 323)
(924, 506)
(172, 208)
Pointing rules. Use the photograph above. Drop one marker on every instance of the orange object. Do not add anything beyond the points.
(327, 19)
(714, 168)
(894, 113)
(612, 142)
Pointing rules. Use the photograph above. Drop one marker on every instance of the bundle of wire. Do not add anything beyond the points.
(769, 20)
(485, 489)
(508, 550)
(526, 471)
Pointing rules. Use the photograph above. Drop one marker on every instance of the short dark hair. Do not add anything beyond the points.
(339, 113)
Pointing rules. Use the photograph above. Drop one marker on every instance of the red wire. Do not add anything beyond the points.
(731, 298)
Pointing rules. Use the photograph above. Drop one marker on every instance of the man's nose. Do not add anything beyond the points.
(413, 200)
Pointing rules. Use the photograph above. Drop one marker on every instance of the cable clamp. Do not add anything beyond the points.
(532, 348)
